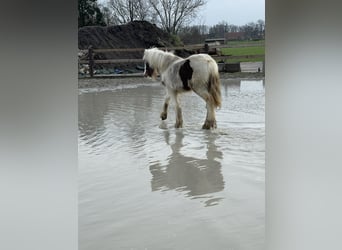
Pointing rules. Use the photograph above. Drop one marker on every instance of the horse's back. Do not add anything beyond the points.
(201, 58)
(203, 65)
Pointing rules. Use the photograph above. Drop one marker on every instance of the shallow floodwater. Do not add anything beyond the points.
(145, 185)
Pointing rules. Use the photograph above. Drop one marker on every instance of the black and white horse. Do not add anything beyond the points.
(198, 73)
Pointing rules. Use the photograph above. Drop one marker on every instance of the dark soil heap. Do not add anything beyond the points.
(136, 34)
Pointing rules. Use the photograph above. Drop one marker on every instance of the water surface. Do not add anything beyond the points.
(145, 185)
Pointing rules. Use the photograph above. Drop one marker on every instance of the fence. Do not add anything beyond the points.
(212, 49)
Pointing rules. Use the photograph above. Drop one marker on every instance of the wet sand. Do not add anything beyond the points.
(145, 185)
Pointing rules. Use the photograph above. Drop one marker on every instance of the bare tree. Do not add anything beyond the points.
(120, 10)
(141, 9)
(233, 28)
(172, 14)
(193, 34)
(107, 15)
(261, 24)
(89, 13)
(125, 11)
(219, 30)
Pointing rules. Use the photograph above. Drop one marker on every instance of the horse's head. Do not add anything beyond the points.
(149, 71)
(149, 60)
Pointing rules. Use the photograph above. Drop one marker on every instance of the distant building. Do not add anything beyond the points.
(210, 46)
(215, 40)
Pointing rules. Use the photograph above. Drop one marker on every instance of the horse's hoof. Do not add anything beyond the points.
(163, 116)
(209, 125)
(205, 126)
(179, 125)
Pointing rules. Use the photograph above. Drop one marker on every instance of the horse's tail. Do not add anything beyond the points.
(214, 84)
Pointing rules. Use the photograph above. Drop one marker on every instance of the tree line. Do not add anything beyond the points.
(198, 33)
(173, 16)
(170, 15)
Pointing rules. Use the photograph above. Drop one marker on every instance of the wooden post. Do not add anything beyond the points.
(206, 48)
(91, 60)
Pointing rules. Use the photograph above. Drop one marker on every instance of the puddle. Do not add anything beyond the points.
(145, 185)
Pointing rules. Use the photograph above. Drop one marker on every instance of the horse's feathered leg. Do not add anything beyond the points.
(163, 114)
(210, 120)
(179, 116)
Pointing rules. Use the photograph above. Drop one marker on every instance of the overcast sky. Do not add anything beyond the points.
(238, 12)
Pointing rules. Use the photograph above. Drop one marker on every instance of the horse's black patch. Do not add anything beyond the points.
(148, 70)
(185, 73)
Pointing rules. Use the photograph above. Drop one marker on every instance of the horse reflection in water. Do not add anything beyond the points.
(197, 178)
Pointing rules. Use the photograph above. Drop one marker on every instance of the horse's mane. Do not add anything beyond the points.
(159, 59)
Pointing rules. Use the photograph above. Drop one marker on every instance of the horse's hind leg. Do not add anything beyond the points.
(179, 116)
(210, 121)
(163, 114)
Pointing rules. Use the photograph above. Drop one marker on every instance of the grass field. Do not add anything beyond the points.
(247, 42)
(242, 49)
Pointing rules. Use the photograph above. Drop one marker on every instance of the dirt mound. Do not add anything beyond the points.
(136, 34)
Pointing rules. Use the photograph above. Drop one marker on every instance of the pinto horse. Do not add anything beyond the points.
(198, 73)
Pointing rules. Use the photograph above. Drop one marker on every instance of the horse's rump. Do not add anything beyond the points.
(206, 73)
(214, 85)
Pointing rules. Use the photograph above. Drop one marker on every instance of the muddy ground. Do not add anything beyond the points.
(107, 82)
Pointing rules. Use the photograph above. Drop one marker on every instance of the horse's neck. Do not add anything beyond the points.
(167, 60)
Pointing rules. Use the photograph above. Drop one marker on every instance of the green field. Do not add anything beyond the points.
(247, 42)
(243, 49)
